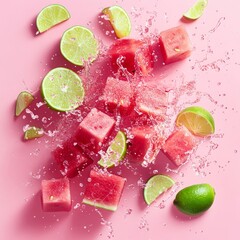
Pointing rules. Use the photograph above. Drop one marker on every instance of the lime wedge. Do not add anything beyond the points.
(197, 120)
(24, 99)
(115, 152)
(119, 20)
(33, 132)
(155, 186)
(51, 16)
(62, 89)
(196, 11)
(79, 45)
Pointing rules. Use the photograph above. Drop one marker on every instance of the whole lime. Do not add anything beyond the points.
(195, 199)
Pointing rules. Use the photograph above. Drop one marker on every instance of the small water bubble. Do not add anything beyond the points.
(155, 171)
(77, 205)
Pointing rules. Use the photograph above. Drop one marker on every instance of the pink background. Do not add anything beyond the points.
(214, 65)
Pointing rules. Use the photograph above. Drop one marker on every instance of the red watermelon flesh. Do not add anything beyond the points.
(132, 54)
(94, 130)
(103, 190)
(152, 100)
(71, 158)
(56, 195)
(175, 44)
(179, 145)
(118, 94)
(145, 144)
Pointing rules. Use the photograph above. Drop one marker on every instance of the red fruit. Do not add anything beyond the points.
(56, 195)
(94, 130)
(118, 94)
(134, 55)
(175, 44)
(145, 144)
(70, 158)
(104, 190)
(179, 145)
(152, 100)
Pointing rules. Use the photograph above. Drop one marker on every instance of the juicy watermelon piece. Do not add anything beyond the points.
(132, 54)
(152, 100)
(56, 195)
(179, 145)
(70, 158)
(118, 94)
(145, 144)
(94, 130)
(104, 190)
(175, 44)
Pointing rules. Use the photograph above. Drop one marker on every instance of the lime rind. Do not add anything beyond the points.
(119, 20)
(79, 45)
(51, 16)
(24, 99)
(33, 132)
(197, 10)
(155, 186)
(62, 89)
(197, 112)
(115, 152)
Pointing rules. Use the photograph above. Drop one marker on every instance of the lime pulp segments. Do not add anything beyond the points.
(155, 186)
(51, 16)
(119, 20)
(115, 152)
(78, 45)
(62, 89)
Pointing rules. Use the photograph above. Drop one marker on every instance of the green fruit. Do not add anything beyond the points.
(195, 199)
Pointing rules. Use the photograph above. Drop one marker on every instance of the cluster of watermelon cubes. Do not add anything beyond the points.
(127, 98)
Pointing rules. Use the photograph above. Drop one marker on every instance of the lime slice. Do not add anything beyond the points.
(51, 16)
(33, 132)
(24, 99)
(115, 152)
(79, 45)
(197, 120)
(155, 186)
(62, 89)
(119, 20)
(196, 11)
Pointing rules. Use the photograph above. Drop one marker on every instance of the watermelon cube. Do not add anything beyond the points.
(94, 130)
(175, 44)
(152, 101)
(118, 94)
(144, 145)
(56, 195)
(132, 54)
(70, 158)
(179, 145)
(104, 190)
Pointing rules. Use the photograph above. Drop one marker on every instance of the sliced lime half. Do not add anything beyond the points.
(51, 16)
(197, 120)
(115, 152)
(78, 45)
(62, 89)
(155, 186)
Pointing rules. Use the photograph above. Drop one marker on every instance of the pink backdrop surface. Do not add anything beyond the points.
(214, 66)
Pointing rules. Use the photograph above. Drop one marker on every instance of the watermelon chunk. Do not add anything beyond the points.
(104, 190)
(152, 100)
(56, 195)
(145, 144)
(94, 130)
(118, 94)
(132, 54)
(179, 145)
(175, 44)
(70, 158)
